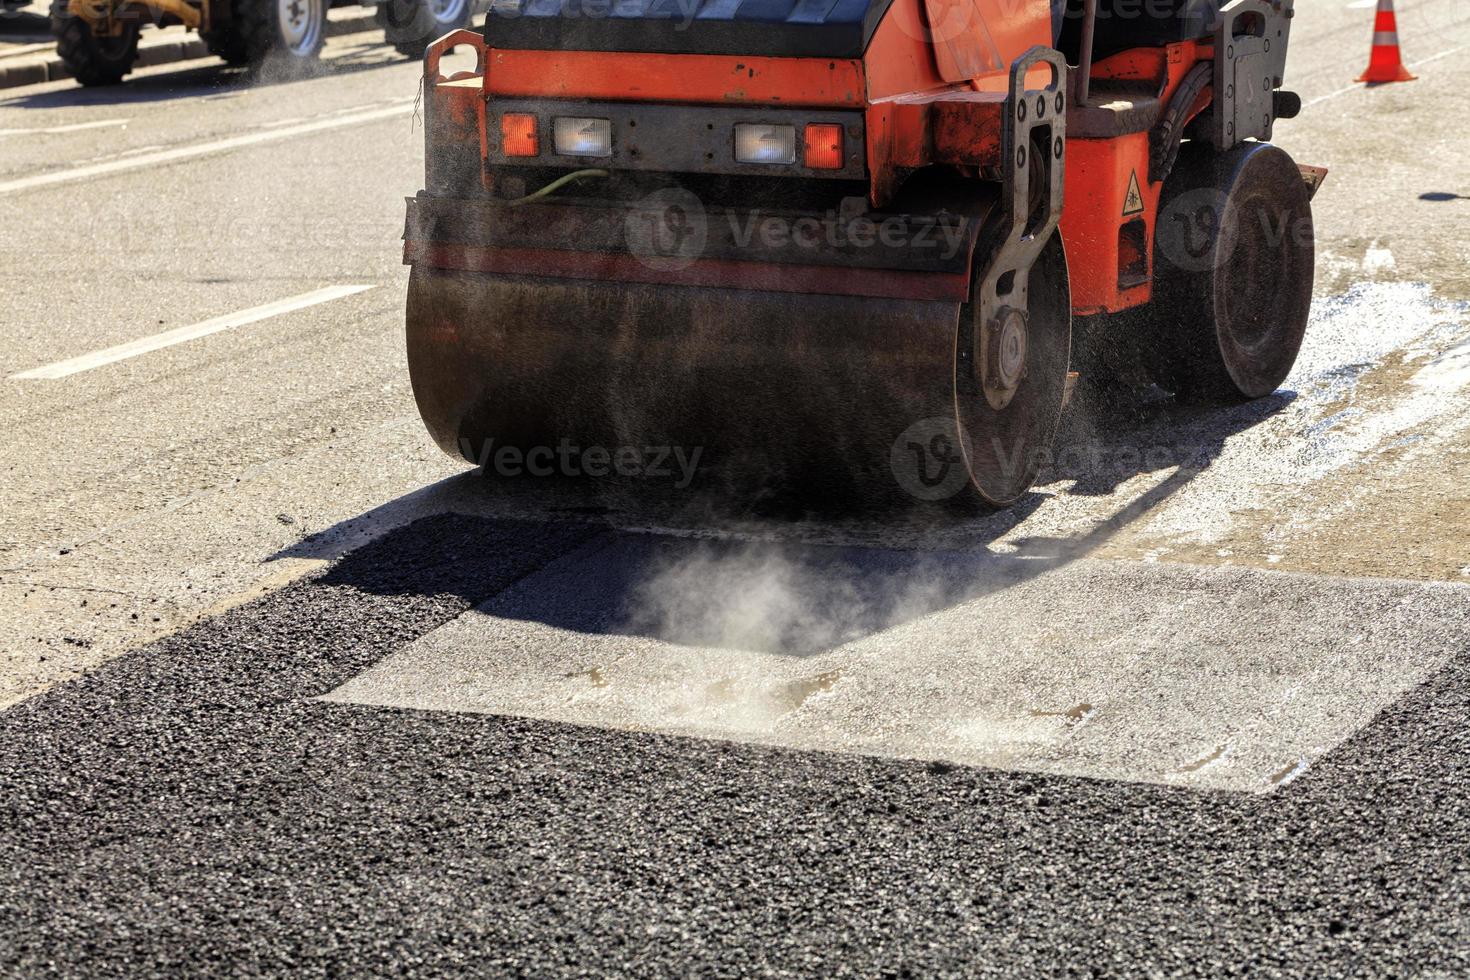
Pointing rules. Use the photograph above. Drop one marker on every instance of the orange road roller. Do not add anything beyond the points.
(838, 246)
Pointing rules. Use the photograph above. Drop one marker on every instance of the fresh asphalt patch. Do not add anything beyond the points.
(197, 806)
(1220, 677)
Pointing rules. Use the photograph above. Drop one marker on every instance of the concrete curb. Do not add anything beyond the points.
(168, 49)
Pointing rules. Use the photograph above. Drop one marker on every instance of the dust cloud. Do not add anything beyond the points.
(783, 599)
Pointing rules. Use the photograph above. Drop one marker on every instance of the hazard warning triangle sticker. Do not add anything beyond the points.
(1133, 203)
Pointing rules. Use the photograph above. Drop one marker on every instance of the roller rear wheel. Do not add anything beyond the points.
(1235, 261)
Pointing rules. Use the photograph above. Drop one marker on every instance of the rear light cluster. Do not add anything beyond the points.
(755, 143)
(572, 136)
(759, 143)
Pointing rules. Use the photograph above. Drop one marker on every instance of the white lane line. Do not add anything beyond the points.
(177, 153)
(1361, 87)
(1436, 57)
(70, 128)
(168, 338)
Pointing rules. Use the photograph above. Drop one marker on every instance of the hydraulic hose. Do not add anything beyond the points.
(557, 185)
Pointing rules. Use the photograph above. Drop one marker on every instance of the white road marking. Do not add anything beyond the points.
(177, 153)
(70, 128)
(1363, 87)
(168, 338)
(1436, 57)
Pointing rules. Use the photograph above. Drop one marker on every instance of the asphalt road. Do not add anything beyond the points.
(281, 686)
(194, 808)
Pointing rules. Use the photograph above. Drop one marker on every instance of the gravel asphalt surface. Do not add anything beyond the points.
(1208, 677)
(248, 610)
(191, 808)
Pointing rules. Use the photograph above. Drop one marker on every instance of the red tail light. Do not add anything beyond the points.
(824, 146)
(518, 133)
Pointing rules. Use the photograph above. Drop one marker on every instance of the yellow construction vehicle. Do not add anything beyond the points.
(98, 39)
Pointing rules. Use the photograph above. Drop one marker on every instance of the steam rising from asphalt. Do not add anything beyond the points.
(773, 599)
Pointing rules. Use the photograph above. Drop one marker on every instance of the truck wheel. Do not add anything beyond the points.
(279, 36)
(1234, 265)
(412, 25)
(94, 59)
(227, 44)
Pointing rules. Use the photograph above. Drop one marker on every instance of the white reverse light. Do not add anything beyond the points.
(759, 143)
(579, 137)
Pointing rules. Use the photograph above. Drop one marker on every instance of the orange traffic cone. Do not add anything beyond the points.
(1387, 65)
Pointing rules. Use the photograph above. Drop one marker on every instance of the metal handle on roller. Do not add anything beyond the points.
(1023, 227)
(448, 43)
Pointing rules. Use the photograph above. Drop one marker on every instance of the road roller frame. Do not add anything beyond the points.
(919, 112)
(977, 119)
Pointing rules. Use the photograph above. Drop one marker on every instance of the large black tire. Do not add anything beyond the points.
(91, 58)
(277, 36)
(227, 43)
(412, 25)
(1234, 268)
